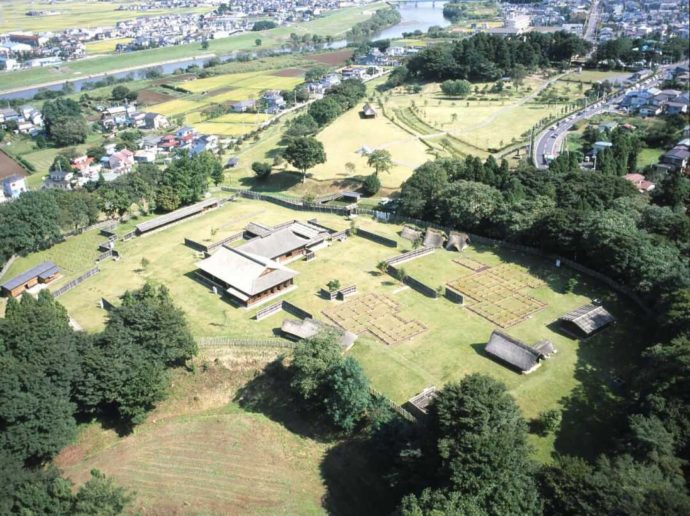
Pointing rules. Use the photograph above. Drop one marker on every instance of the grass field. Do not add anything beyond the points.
(473, 126)
(348, 133)
(105, 46)
(200, 451)
(449, 347)
(71, 14)
(591, 76)
(335, 24)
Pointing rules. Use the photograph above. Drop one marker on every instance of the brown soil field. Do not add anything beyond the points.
(9, 167)
(337, 58)
(149, 97)
(289, 72)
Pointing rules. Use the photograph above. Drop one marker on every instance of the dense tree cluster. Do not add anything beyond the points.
(382, 18)
(38, 220)
(329, 382)
(52, 374)
(625, 50)
(486, 57)
(64, 122)
(598, 219)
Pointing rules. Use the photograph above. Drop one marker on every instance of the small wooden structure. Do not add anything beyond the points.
(296, 329)
(418, 405)
(433, 239)
(43, 274)
(411, 234)
(368, 111)
(586, 320)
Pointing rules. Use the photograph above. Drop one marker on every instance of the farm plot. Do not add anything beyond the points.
(496, 294)
(376, 314)
(9, 167)
(473, 265)
(105, 46)
(249, 80)
(177, 107)
(223, 129)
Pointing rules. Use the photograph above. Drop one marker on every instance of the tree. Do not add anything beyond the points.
(371, 184)
(459, 88)
(381, 160)
(549, 421)
(315, 73)
(325, 110)
(333, 285)
(120, 92)
(39, 359)
(262, 169)
(205, 44)
(304, 153)
(347, 395)
(100, 495)
(312, 362)
(69, 130)
(263, 25)
(481, 441)
(257, 42)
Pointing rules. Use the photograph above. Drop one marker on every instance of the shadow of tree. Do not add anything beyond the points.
(276, 182)
(353, 479)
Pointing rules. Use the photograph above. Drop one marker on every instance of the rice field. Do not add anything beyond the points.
(105, 46)
(249, 80)
(177, 107)
(220, 129)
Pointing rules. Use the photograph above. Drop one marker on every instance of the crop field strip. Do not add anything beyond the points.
(495, 293)
(375, 314)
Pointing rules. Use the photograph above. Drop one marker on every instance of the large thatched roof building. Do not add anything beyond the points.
(245, 277)
(516, 354)
(586, 320)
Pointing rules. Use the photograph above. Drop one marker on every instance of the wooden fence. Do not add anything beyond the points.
(246, 343)
(66, 288)
(268, 310)
(410, 255)
(296, 311)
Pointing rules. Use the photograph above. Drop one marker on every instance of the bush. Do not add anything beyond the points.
(371, 184)
(548, 421)
(261, 169)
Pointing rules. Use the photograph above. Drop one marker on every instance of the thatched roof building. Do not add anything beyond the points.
(586, 320)
(514, 353)
(433, 238)
(246, 277)
(411, 234)
(458, 241)
(368, 111)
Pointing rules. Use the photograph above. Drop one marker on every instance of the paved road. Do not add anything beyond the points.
(549, 142)
(590, 30)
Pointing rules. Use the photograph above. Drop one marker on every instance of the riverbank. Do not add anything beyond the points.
(334, 24)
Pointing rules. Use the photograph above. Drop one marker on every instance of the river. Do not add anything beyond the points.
(414, 16)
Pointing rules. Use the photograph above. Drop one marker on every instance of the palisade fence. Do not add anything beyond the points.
(397, 408)
(66, 288)
(396, 219)
(413, 283)
(245, 343)
(296, 311)
(410, 255)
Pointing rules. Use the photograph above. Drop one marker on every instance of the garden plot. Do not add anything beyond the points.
(471, 264)
(496, 294)
(376, 314)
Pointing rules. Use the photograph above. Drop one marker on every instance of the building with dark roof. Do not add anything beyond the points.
(177, 215)
(283, 242)
(43, 273)
(586, 320)
(514, 353)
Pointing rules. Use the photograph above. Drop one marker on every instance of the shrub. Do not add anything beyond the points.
(371, 184)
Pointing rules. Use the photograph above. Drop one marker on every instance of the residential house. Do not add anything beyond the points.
(155, 121)
(121, 161)
(639, 182)
(275, 102)
(205, 143)
(677, 158)
(243, 106)
(8, 115)
(60, 180)
(13, 186)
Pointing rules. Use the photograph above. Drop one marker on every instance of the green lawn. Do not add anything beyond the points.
(649, 157)
(450, 348)
(334, 24)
